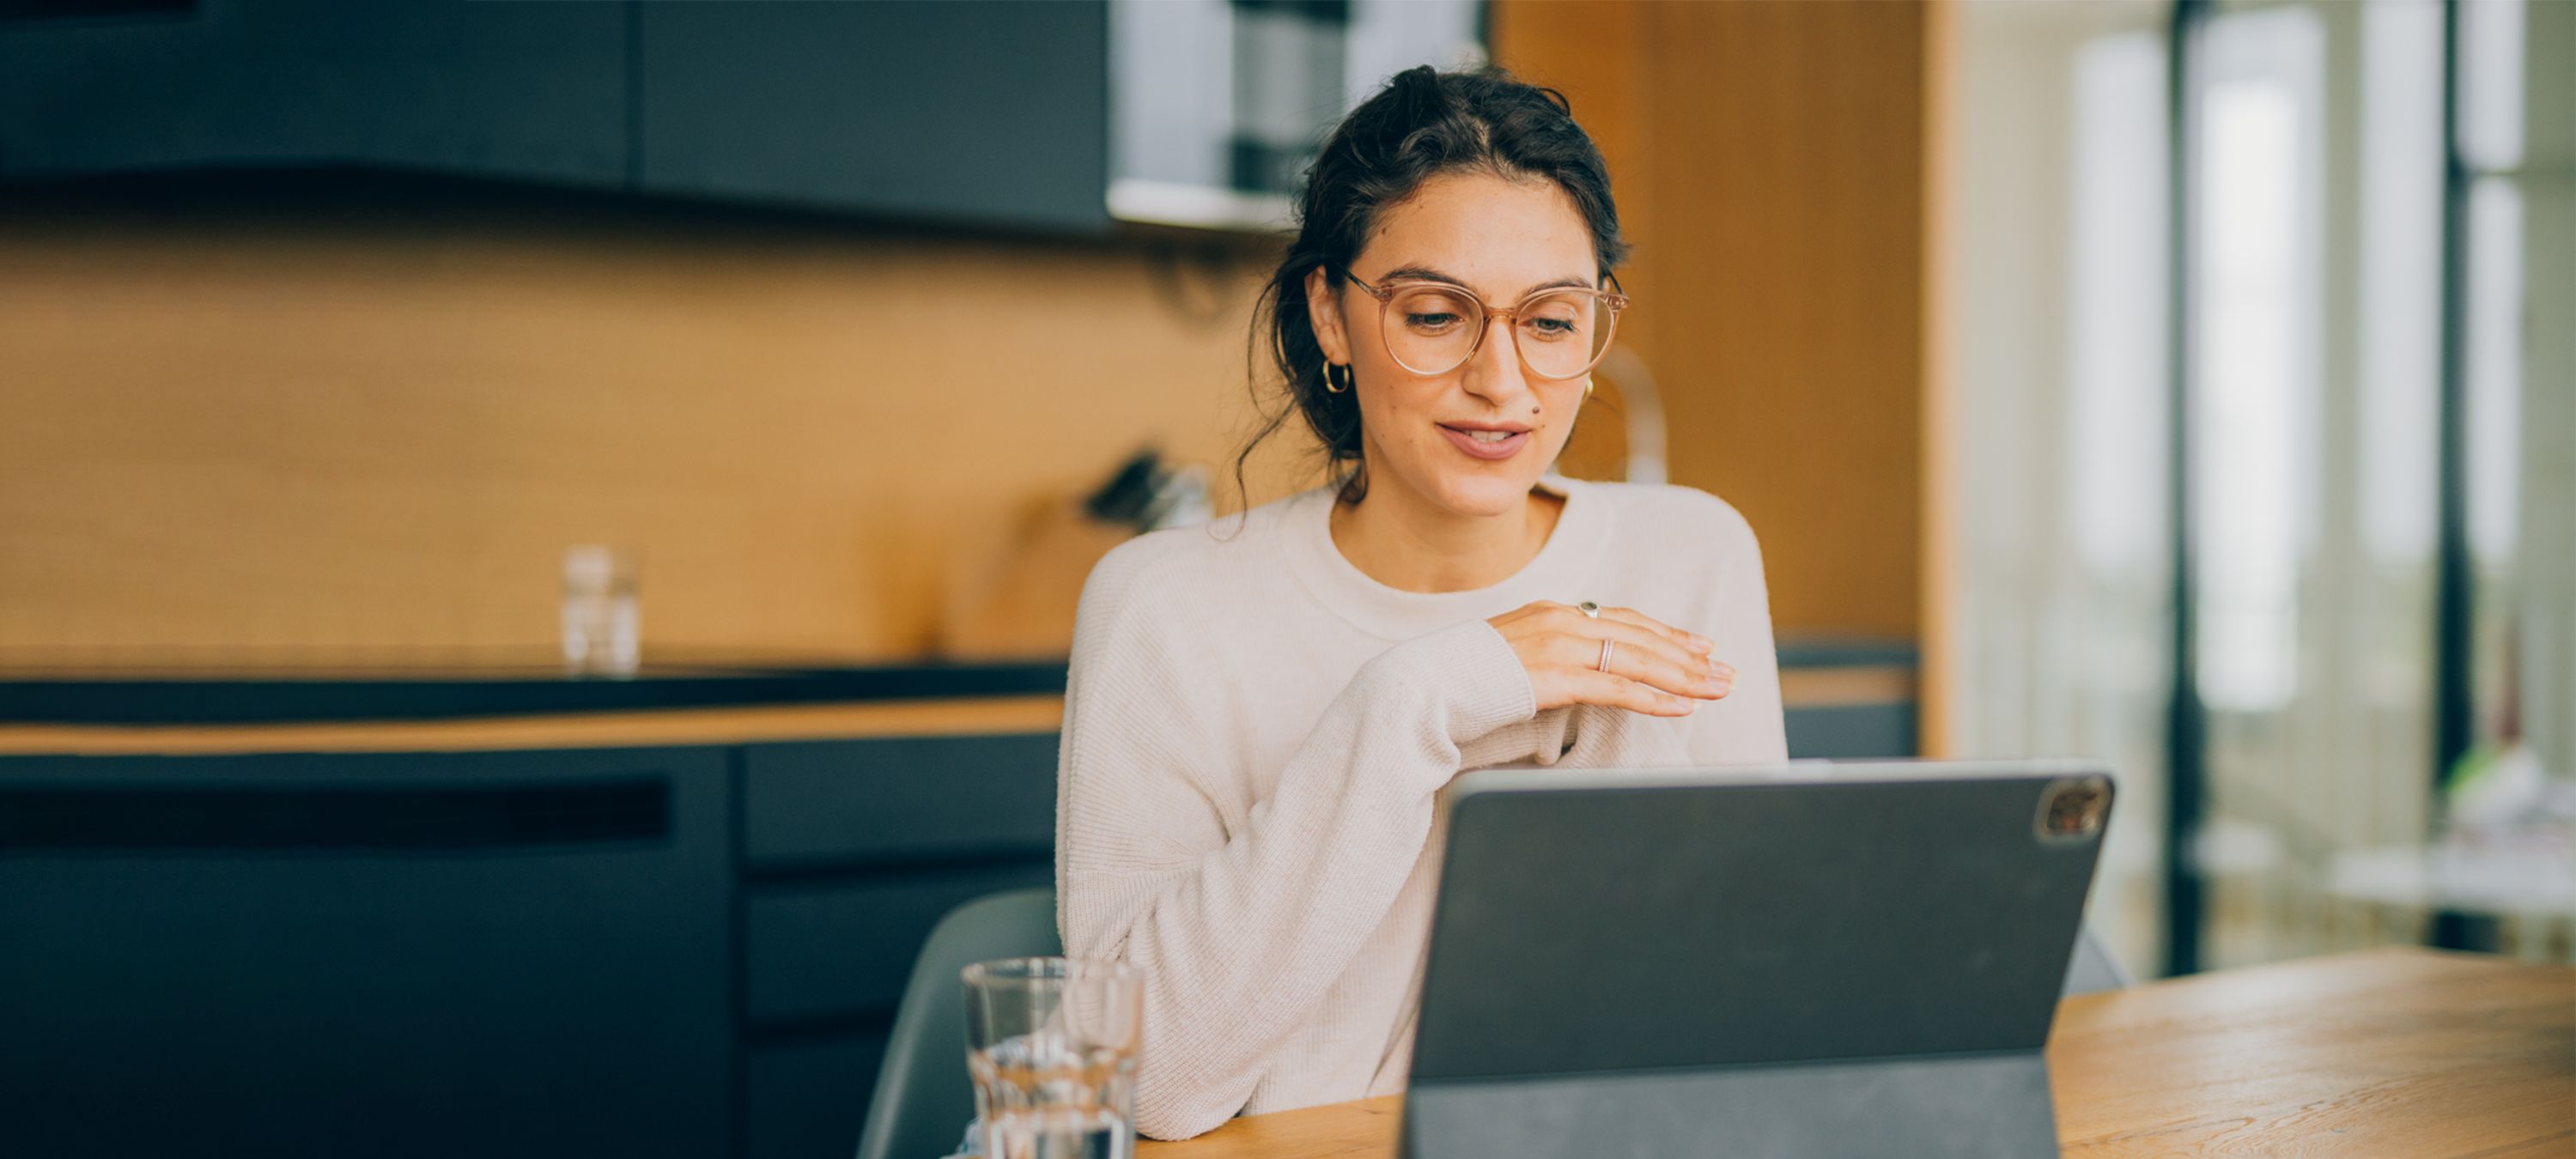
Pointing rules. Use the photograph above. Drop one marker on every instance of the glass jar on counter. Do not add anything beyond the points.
(600, 624)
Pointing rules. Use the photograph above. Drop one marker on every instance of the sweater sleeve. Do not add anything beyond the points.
(1240, 934)
(1746, 727)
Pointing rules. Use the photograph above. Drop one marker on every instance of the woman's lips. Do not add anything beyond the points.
(1502, 448)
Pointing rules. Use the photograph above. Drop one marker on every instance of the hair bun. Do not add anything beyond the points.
(1415, 95)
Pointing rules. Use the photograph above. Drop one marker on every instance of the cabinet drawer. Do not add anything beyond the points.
(899, 798)
(807, 1100)
(848, 947)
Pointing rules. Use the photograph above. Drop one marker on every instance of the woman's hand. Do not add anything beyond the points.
(1655, 668)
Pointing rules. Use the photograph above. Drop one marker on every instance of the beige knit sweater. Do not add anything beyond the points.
(1255, 736)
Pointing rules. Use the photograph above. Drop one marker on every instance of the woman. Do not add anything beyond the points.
(1258, 723)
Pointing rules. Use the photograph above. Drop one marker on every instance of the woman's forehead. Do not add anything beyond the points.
(1498, 236)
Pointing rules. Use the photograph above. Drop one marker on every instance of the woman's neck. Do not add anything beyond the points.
(1408, 543)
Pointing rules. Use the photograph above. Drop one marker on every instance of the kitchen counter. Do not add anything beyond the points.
(234, 689)
(285, 688)
(1844, 699)
(739, 725)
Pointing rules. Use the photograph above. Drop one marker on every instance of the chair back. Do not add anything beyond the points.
(2093, 968)
(923, 1099)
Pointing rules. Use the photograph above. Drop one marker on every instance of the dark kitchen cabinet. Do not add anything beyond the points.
(808, 1100)
(844, 948)
(528, 91)
(899, 800)
(852, 851)
(977, 113)
(493, 954)
(669, 951)
(980, 114)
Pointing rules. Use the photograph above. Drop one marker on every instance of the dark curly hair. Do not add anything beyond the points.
(1423, 124)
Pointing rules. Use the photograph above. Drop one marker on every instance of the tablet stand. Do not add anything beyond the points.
(1983, 1106)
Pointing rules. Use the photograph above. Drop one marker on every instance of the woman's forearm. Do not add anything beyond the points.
(1240, 941)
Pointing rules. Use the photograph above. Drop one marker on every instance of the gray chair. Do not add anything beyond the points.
(923, 1100)
(2093, 968)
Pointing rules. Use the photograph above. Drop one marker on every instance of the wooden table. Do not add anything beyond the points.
(2386, 1052)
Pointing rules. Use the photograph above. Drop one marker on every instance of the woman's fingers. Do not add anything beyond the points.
(1697, 650)
(1650, 657)
(1691, 640)
(1652, 667)
(1620, 692)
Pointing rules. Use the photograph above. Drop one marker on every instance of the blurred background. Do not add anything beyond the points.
(728, 399)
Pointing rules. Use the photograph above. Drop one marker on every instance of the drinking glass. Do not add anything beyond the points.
(1052, 1043)
(599, 621)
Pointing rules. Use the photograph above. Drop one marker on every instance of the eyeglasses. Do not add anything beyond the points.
(1435, 327)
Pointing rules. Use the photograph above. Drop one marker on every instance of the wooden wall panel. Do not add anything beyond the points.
(369, 434)
(1769, 165)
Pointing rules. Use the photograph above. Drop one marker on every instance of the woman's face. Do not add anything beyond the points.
(1498, 239)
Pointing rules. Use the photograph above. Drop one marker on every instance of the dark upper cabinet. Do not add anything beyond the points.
(531, 91)
(990, 114)
(986, 113)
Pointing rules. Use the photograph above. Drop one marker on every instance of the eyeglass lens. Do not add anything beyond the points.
(1432, 329)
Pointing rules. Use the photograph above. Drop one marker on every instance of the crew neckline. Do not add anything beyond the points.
(1557, 572)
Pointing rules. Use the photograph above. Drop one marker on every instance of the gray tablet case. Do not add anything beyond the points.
(1862, 960)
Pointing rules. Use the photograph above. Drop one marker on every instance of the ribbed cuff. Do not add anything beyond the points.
(1467, 674)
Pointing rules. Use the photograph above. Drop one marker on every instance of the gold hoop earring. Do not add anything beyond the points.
(1587, 388)
(1348, 376)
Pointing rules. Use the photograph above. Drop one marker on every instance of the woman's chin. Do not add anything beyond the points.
(1485, 494)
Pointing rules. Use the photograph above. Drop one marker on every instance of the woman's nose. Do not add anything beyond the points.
(1495, 373)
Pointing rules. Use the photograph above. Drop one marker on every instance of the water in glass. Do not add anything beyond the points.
(1051, 1043)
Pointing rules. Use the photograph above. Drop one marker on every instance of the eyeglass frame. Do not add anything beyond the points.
(1615, 300)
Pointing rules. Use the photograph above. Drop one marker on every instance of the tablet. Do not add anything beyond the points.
(1802, 960)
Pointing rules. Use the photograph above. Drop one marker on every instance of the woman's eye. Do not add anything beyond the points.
(1431, 321)
(1552, 327)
